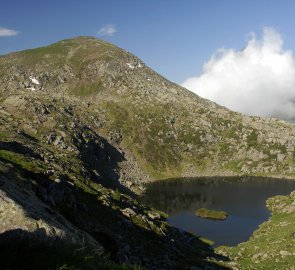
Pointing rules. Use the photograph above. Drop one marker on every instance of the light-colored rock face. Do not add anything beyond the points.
(22, 211)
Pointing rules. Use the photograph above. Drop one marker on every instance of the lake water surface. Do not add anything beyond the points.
(244, 199)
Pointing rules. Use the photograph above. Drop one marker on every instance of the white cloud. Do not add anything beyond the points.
(258, 80)
(5, 32)
(107, 30)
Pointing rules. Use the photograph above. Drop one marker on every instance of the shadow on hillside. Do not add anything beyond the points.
(99, 158)
(19, 148)
(124, 241)
(20, 249)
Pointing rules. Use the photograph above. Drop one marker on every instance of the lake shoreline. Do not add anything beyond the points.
(243, 198)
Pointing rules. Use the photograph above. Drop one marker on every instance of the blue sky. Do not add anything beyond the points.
(175, 38)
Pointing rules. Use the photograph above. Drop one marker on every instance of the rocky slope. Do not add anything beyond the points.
(67, 180)
(162, 128)
(83, 125)
(60, 188)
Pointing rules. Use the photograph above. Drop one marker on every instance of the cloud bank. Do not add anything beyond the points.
(107, 30)
(258, 80)
(5, 32)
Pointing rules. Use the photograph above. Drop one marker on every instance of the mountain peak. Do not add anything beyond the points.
(78, 40)
(82, 66)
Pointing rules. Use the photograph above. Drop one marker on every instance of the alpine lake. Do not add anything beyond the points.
(242, 198)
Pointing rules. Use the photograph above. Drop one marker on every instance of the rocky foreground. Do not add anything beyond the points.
(83, 126)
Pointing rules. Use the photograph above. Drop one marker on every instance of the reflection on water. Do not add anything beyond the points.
(242, 198)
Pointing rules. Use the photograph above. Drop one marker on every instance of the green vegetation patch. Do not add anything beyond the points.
(87, 89)
(24, 162)
(55, 53)
(206, 240)
(234, 165)
(211, 214)
(252, 139)
(4, 135)
(272, 245)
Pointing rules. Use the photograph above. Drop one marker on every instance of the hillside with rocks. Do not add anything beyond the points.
(83, 126)
(60, 193)
(164, 129)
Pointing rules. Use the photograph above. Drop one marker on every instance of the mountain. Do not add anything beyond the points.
(67, 176)
(84, 125)
(164, 129)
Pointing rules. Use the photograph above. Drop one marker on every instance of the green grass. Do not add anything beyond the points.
(53, 54)
(24, 162)
(206, 241)
(147, 134)
(252, 139)
(116, 195)
(211, 214)
(87, 89)
(225, 149)
(4, 135)
(272, 245)
(233, 131)
(234, 165)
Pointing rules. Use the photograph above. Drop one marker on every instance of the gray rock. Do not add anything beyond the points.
(154, 215)
(128, 212)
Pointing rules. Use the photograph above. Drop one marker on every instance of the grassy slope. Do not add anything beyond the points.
(272, 245)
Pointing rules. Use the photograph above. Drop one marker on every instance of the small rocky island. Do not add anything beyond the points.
(211, 214)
